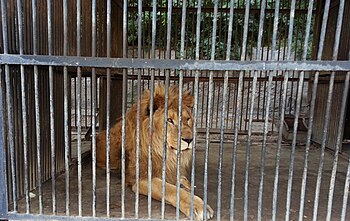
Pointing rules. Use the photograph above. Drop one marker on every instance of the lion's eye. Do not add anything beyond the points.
(170, 121)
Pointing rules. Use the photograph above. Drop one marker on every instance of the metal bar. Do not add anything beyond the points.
(3, 172)
(284, 94)
(209, 110)
(167, 56)
(195, 106)
(108, 110)
(346, 193)
(93, 105)
(247, 162)
(338, 144)
(243, 56)
(138, 124)
(297, 111)
(326, 125)
(224, 100)
(80, 213)
(312, 108)
(37, 107)
(154, 30)
(165, 143)
(217, 65)
(124, 103)
(52, 111)
(9, 110)
(24, 107)
(238, 112)
(66, 120)
(19, 216)
(179, 138)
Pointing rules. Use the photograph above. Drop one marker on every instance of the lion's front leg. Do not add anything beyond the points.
(170, 198)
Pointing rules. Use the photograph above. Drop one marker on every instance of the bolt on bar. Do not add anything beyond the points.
(195, 105)
(78, 109)
(224, 100)
(9, 107)
(24, 107)
(93, 106)
(328, 114)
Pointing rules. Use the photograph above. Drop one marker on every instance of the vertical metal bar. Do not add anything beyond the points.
(268, 101)
(93, 104)
(346, 193)
(24, 107)
(209, 110)
(283, 104)
(195, 105)
(250, 125)
(66, 120)
(124, 104)
(312, 109)
(52, 111)
(224, 100)
(37, 107)
(179, 138)
(154, 29)
(338, 144)
(167, 56)
(9, 108)
(139, 45)
(78, 109)
(238, 109)
(297, 111)
(3, 173)
(108, 111)
(326, 124)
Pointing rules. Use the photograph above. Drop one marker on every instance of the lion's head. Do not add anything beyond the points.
(172, 118)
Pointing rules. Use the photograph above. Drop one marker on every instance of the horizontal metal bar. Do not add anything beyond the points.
(220, 10)
(18, 216)
(223, 65)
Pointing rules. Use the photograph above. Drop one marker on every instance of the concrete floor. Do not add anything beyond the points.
(254, 176)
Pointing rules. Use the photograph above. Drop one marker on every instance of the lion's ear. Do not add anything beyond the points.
(157, 103)
(188, 99)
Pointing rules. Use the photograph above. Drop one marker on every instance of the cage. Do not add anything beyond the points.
(270, 86)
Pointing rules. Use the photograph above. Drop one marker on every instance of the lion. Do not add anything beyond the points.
(157, 148)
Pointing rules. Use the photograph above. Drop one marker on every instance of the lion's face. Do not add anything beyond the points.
(173, 121)
(173, 126)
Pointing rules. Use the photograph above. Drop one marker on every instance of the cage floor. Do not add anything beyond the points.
(254, 177)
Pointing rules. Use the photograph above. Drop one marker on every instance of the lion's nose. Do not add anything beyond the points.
(187, 140)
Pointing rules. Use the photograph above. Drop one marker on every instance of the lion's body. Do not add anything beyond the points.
(157, 141)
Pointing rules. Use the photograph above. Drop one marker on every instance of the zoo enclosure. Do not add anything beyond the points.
(21, 38)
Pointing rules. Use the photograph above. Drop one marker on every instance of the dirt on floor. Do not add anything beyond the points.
(253, 187)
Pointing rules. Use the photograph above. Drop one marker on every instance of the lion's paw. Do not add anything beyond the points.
(199, 212)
